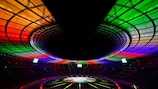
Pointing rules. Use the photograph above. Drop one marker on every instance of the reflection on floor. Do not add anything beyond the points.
(78, 82)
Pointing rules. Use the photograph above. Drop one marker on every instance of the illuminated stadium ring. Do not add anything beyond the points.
(138, 17)
(42, 34)
(119, 36)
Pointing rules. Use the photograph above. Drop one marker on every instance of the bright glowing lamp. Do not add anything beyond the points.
(79, 65)
(35, 60)
(124, 60)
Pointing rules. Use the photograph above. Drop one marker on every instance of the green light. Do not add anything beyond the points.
(12, 49)
(117, 58)
(83, 62)
(134, 12)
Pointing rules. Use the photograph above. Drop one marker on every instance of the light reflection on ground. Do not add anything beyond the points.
(79, 79)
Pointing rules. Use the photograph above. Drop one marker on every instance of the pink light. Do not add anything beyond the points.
(63, 62)
(130, 54)
(91, 62)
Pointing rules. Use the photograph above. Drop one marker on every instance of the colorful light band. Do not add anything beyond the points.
(140, 19)
(18, 19)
